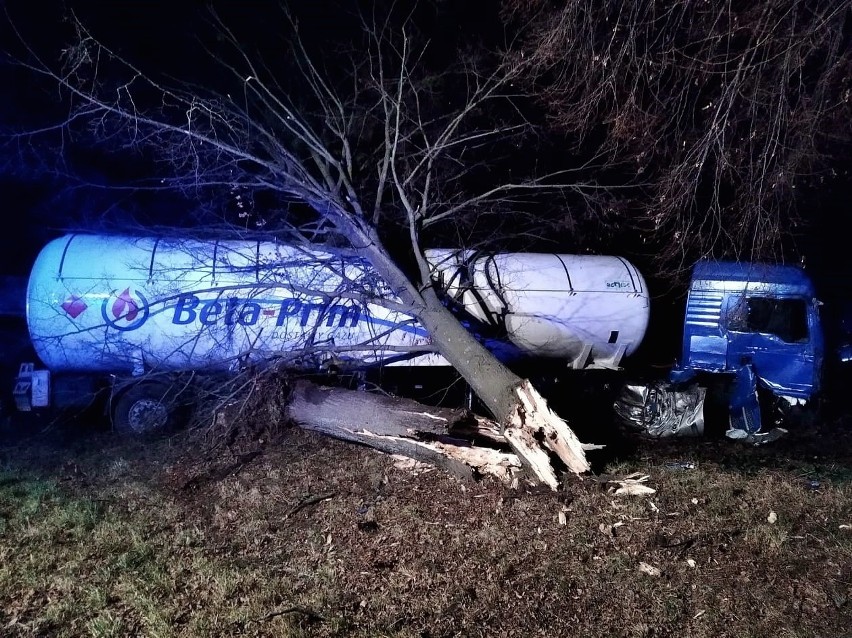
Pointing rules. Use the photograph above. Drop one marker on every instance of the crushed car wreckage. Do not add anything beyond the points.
(660, 411)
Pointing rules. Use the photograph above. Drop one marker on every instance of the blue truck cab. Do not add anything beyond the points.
(757, 323)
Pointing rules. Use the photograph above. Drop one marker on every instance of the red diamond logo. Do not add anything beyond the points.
(74, 306)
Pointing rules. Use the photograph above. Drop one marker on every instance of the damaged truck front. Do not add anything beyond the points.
(752, 337)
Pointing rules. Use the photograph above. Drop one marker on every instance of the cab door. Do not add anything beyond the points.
(780, 338)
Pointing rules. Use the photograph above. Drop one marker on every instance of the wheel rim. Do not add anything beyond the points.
(146, 415)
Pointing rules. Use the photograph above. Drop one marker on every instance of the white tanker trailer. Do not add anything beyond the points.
(101, 308)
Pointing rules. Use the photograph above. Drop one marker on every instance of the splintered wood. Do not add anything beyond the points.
(534, 430)
(455, 440)
(442, 437)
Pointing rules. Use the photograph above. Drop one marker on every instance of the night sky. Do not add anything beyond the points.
(167, 40)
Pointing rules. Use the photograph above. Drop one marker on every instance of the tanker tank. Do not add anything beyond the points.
(116, 304)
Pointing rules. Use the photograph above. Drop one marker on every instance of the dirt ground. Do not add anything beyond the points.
(284, 533)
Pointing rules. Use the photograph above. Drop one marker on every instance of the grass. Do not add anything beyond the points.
(100, 537)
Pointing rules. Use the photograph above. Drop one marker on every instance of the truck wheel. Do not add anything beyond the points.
(143, 409)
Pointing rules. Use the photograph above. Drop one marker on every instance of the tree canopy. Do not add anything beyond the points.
(728, 118)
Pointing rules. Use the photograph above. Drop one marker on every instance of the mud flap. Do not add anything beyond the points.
(744, 407)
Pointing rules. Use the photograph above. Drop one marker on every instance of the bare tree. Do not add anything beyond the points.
(382, 155)
(719, 111)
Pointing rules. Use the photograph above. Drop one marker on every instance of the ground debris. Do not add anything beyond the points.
(309, 615)
(630, 485)
(307, 501)
(214, 474)
(649, 569)
(609, 530)
(408, 464)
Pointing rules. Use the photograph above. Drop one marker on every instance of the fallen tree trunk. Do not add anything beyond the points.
(533, 429)
(537, 435)
(456, 440)
(443, 437)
